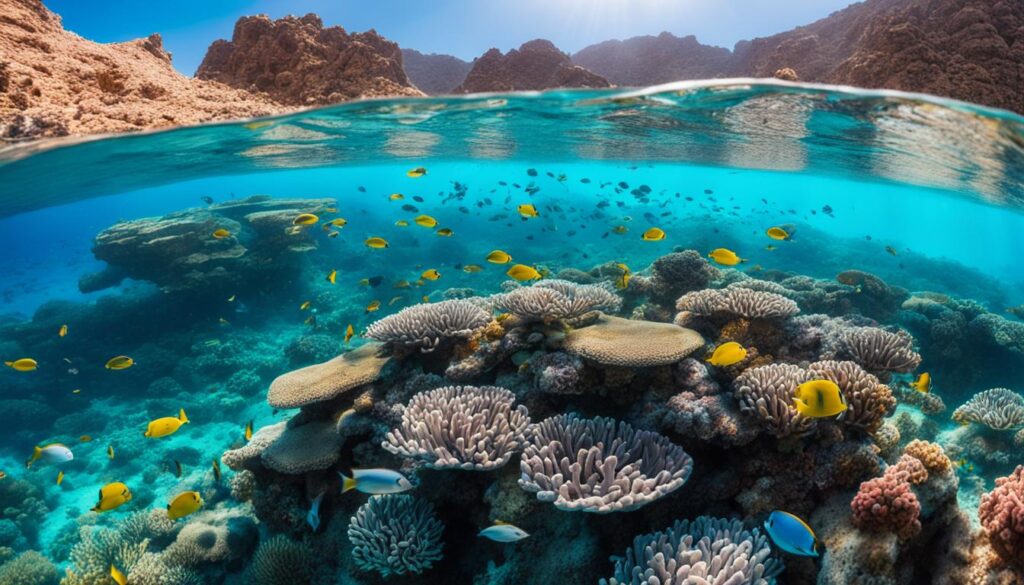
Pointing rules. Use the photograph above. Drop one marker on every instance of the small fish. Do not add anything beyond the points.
(331, 210)
(792, 534)
(425, 299)
(727, 354)
(402, 223)
(819, 399)
(248, 431)
(23, 364)
(165, 426)
(184, 504)
(337, 222)
(333, 234)
(332, 276)
(112, 495)
(85, 439)
(313, 516)
(231, 299)
(522, 273)
(221, 233)
(1017, 311)
(472, 268)
(623, 280)
(63, 331)
(55, 453)
(431, 274)
(376, 242)
(305, 305)
(923, 383)
(503, 532)
(620, 229)
(121, 362)
(223, 321)
(216, 470)
(60, 477)
(498, 257)
(654, 235)
(250, 126)
(349, 332)
(76, 391)
(305, 219)
(725, 257)
(177, 468)
(777, 233)
(115, 574)
(396, 197)
(373, 306)
(528, 210)
(375, 481)
(110, 451)
(416, 172)
(890, 250)
(394, 300)
(425, 221)
(445, 232)
(401, 284)
(770, 247)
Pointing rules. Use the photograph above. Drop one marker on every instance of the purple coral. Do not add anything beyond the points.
(427, 325)
(739, 302)
(557, 373)
(678, 273)
(1002, 515)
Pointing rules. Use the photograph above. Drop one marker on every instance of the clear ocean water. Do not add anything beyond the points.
(924, 193)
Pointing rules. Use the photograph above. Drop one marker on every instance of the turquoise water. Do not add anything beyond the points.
(923, 193)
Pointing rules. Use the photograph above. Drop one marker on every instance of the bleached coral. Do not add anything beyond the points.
(999, 409)
(426, 326)
(395, 535)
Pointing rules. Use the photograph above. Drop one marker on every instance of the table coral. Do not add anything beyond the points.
(614, 341)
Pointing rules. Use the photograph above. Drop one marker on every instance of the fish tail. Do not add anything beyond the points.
(36, 454)
(11, 364)
(347, 483)
(181, 416)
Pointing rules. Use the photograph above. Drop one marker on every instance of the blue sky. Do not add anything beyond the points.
(464, 28)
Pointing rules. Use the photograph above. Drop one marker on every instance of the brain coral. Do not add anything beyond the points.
(325, 381)
(395, 535)
(460, 427)
(551, 300)
(300, 449)
(427, 325)
(613, 341)
(704, 551)
(887, 504)
(879, 350)
(741, 302)
(999, 409)
(600, 465)
(1002, 515)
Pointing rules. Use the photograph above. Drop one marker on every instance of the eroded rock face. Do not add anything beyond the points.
(55, 83)
(434, 74)
(649, 60)
(297, 61)
(535, 65)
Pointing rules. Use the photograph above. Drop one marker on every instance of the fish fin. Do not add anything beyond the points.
(36, 454)
(801, 406)
(181, 416)
(347, 483)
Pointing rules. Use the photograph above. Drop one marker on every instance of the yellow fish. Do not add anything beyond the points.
(110, 451)
(305, 305)
(401, 284)
(373, 306)
(184, 504)
(431, 274)
(85, 439)
(623, 280)
(248, 431)
(528, 210)
(338, 222)
(23, 365)
(333, 276)
(216, 470)
(445, 232)
(396, 197)
(777, 233)
(250, 126)
(725, 257)
(165, 426)
(653, 235)
(522, 272)
(819, 398)
(402, 223)
(76, 391)
(349, 332)
(728, 354)
(620, 229)
(112, 495)
(416, 173)
(364, 282)
(923, 383)
(394, 300)
(221, 233)
(376, 242)
(63, 331)
(425, 221)
(331, 210)
(3, 474)
(425, 299)
(472, 268)
(115, 574)
(60, 477)
(498, 257)
(305, 219)
(121, 362)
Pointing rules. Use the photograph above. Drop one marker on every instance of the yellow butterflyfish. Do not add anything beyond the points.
(63, 331)
(332, 276)
(416, 172)
(498, 257)
(431, 274)
(725, 257)
(653, 235)
(777, 233)
(121, 362)
(305, 219)
(23, 364)
(349, 332)
(522, 272)
(376, 242)
(221, 233)
(819, 398)
(923, 383)
(528, 210)
(727, 354)
(396, 197)
(425, 221)
(373, 306)
(113, 495)
(165, 426)
(184, 504)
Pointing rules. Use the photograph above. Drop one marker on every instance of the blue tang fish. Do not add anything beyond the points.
(503, 532)
(375, 481)
(791, 534)
(313, 517)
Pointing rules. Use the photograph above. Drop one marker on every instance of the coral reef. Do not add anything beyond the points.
(887, 504)
(1002, 515)
(279, 561)
(554, 300)
(999, 409)
(878, 350)
(322, 382)
(613, 341)
(395, 535)
(735, 302)
(29, 568)
(303, 448)
(426, 326)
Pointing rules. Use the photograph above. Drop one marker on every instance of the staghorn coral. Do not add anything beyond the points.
(29, 568)
(428, 325)
(460, 427)
(704, 551)
(1002, 516)
(613, 341)
(1000, 409)
(395, 535)
(325, 381)
(281, 561)
(600, 465)
(878, 350)
(300, 449)
(766, 392)
(869, 401)
(557, 300)
(887, 504)
(740, 302)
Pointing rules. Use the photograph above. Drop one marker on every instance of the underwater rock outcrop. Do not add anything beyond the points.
(600, 465)
(999, 409)
(614, 341)
(426, 326)
(395, 535)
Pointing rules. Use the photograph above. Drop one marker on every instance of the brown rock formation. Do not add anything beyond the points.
(54, 83)
(297, 61)
(434, 74)
(650, 60)
(535, 65)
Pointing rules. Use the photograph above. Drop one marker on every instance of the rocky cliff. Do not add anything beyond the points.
(54, 82)
(297, 61)
(649, 60)
(535, 65)
(434, 74)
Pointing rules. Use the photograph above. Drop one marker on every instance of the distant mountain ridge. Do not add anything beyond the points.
(535, 65)
(434, 74)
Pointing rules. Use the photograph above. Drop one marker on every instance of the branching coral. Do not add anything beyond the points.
(887, 504)
(999, 409)
(878, 350)
(600, 465)
(29, 568)
(706, 551)
(551, 300)
(740, 302)
(1002, 515)
(428, 325)
(281, 561)
(614, 341)
(395, 535)
(460, 427)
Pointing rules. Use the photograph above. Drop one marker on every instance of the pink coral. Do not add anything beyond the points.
(887, 504)
(1002, 515)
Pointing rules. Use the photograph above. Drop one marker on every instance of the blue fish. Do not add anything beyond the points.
(313, 517)
(375, 481)
(791, 534)
(503, 532)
